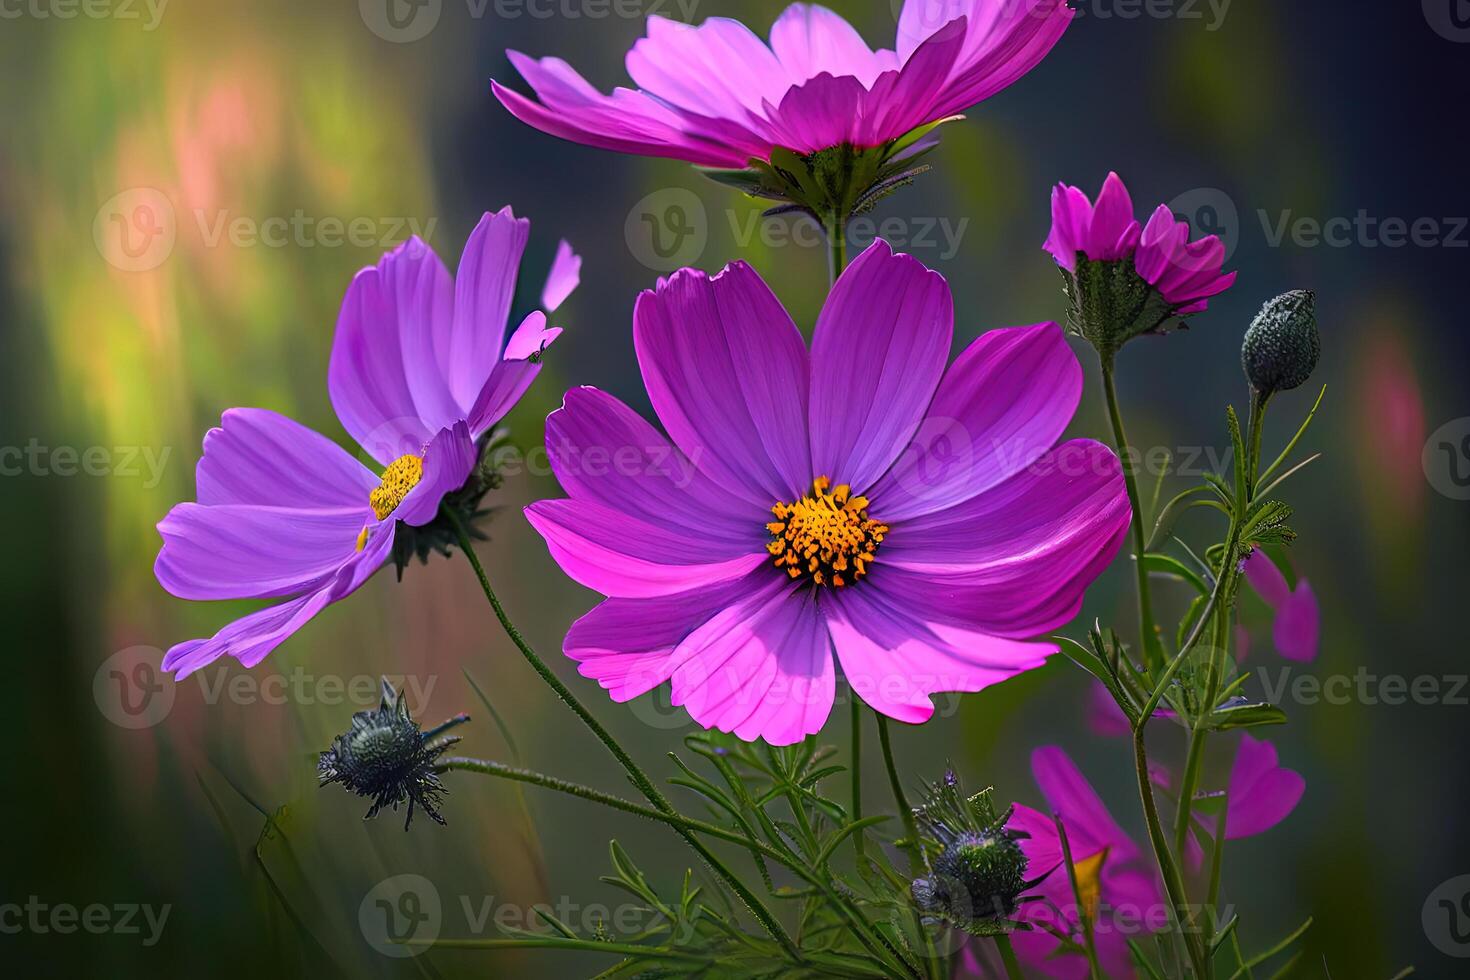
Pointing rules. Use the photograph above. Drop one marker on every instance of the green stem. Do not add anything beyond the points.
(640, 779)
(1173, 882)
(836, 229)
(1084, 914)
(856, 715)
(1008, 957)
(1153, 650)
(910, 825)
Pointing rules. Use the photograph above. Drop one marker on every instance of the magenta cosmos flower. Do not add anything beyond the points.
(1127, 279)
(1114, 879)
(719, 96)
(860, 497)
(419, 371)
(1297, 626)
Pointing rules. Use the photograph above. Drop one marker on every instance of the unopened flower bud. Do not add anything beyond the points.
(1282, 344)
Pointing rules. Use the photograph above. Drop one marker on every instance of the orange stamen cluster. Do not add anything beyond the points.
(828, 537)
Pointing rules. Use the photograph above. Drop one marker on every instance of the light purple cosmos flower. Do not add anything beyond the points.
(858, 496)
(1185, 273)
(719, 96)
(1297, 627)
(419, 371)
(1114, 878)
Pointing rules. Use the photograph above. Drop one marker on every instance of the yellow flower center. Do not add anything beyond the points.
(401, 476)
(827, 536)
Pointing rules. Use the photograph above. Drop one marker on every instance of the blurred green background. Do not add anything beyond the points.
(230, 122)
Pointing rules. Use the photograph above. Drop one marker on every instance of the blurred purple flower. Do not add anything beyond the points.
(1114, 877)
(719, 96)
(1105, 718)
(1297, 626)
(860, 496)
(1262, 793)
(417, 374)
(1185, 273)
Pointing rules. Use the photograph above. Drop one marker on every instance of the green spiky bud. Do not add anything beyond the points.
(1282, 344)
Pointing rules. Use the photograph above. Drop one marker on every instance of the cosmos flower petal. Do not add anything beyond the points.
(563, 279)
(1001, 405)
(719, 68)
(726, 371)
(1004, 41)
(761, 668)
(513, 374)
(257, 456)
(386, 385)
(246, 551)
(618, 555)
(1298, 624)
(484, 288)
(820, 112)
(877, 354)
(1072, 496)
(809, 40)
(449, 459)
(626, 645)
(251, 638)
(1090, 827)
(1263, 575)
(603, 451)
(1262, 793)
(894, 660)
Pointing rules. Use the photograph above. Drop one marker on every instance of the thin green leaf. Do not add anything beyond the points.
(1266, 474)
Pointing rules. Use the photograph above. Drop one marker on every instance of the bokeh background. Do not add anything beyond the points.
(201, 121)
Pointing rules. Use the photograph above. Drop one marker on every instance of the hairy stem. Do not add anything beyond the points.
(1153, 651)
(640, 779)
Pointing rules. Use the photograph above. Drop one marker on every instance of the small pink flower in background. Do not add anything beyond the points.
(1105, 718)
(719, 96)
(1297, 626)
(1114, 876)
(1185, 273)
(857, 496)
(1262, 793)
(418, 373)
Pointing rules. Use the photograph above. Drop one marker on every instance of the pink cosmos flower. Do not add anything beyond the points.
(1185, 273)
(859, 496)
(719, 96)
(1114, 878)
(418, 373)
(1298, 624)
(1261, 794)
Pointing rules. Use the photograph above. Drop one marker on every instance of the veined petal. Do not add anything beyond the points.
(809, 40)
(257, 456)
(246, 551)
(603, 451)
(878, 352)
(1002, 404)
(252, 638)
(761, 668)
(385, 380)
(719, 69)
(484, 288)
(514, 373)
(726, 371)
(894, 660)
(618, 555)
